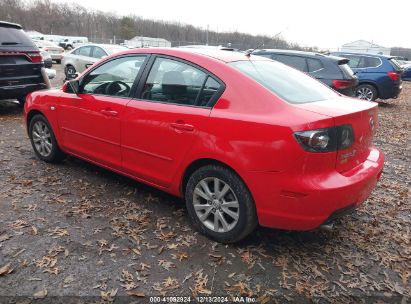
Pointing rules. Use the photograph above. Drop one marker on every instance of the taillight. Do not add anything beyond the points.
(342, 84)
(46, 49)
(327, 139)
(394, 76)
(35, 57)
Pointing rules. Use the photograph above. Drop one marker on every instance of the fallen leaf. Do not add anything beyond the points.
(6, 269)
(136, 294)
(41, 294)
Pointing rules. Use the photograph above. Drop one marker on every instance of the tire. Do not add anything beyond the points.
(209, 206)
(366, 92)
(69, 47)
(43, 141)
(69, 69)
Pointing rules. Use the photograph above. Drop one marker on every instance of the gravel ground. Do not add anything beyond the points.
(77, 232)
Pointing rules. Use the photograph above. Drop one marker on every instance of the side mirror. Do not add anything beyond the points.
(88, 65)
(71, 86)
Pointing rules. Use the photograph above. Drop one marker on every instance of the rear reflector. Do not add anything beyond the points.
(342, 84)
(394, 76)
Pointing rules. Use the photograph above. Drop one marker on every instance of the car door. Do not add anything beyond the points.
(162, 124)
(84, 57)
(90, 122)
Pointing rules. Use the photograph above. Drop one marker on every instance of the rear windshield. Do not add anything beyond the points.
(346, 70)
(291, 85)
(14, 37)
(395, 64)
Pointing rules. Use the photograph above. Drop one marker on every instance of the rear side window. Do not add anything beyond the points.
(314, 65)
(173, 81)
(289, 84)
(14, 37)
(98, 52)
(372, 62)
(294, 61)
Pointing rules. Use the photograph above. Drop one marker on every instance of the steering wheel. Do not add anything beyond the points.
(115, 87)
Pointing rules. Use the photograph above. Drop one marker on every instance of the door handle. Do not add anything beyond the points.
(109, 112)
(181, 126)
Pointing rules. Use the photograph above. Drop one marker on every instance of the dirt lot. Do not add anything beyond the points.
(78, 230)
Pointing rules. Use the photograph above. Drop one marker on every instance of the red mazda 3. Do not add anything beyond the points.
(243, 139)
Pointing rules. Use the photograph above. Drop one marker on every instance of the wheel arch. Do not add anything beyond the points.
(373, 84)
(201, 162)
(30, 116)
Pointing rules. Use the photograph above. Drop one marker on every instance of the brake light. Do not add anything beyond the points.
(35, 57)
(342, 84)
(46, 49)
(326, 140)
(394, 76)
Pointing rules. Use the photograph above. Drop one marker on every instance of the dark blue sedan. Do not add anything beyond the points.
(379, 76)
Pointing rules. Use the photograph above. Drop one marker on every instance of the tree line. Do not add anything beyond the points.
(71, 19)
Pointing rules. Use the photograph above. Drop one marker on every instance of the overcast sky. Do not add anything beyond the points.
(326, 24)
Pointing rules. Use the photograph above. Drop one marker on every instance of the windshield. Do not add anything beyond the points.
(291, 85)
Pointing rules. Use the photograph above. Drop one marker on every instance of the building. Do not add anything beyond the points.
(140, 42)
(363, 46)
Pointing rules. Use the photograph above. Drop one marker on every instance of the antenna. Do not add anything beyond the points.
(249, 52)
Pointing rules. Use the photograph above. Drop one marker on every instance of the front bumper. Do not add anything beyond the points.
(305, 202)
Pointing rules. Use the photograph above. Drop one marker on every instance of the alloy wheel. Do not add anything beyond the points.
(216, 204)
(42, 138)
(365, 93)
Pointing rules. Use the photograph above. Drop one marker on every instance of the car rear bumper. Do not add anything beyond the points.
(306, 202)
(394, 92)
(20, 90)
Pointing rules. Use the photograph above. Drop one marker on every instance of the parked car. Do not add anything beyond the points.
(77, 60)
(379, 76)
(244, 139)
(331, 70)
(20, 63)
(71, 42)
(54, 50)
(209, 47)
(406, 75)
(48, 61)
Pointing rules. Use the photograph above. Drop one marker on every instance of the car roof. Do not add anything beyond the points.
(9, 24)
(220, 55)
(364, 54)
(294, 52)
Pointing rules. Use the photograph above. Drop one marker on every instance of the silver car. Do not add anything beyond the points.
(54, 50)
(81, 57)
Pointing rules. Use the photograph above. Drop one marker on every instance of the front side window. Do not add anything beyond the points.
(173, 81)
(113, 78)
(288, 84)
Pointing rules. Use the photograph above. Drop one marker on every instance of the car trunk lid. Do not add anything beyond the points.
(361, 115)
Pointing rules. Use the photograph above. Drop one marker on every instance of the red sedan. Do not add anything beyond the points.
(243, 139)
